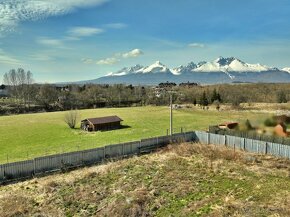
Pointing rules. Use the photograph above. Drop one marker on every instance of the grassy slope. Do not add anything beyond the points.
(30, 135)
(184, 180)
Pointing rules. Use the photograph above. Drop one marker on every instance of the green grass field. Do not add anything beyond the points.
(27, 136)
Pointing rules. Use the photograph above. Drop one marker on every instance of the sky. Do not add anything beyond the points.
(73, 40)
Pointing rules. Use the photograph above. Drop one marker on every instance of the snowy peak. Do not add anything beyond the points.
(126, 71)
(155, 68)
(287, 69)
(230, 64)
(227, 61)
(182, 69)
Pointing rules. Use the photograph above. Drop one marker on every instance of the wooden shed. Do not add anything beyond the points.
(101, 123)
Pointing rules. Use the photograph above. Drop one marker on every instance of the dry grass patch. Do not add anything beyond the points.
(179, 180)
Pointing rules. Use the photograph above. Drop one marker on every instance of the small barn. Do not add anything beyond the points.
(101, 123)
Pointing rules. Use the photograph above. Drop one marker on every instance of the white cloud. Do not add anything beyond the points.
(132, 53)
(108, 61)
(87, 61)
(12, 12)
(198, 45)
(116, 25)
(116, 58)
(7, 59)
(50, 42)
(40, 57)
(84, 31)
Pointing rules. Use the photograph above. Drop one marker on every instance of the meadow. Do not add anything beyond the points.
(30, 135)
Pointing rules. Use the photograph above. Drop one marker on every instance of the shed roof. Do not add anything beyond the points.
(104, 120)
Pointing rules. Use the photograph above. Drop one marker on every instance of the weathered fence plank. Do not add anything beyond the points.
(131, 148)
(47, 164)
(73, 159)
(92, 156)
(202, 137)
(17, 170)
(273, 149)
(1, 173)
(217, 139)
(114, 151)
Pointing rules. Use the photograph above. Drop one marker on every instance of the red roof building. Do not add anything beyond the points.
(101, 123)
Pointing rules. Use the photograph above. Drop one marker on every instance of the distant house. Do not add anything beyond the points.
(167, 85)
(281, 130)
(188, 84)
(101, 123)
(228, 125)
(4, 93)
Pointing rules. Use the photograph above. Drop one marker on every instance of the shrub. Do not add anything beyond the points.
(270, 122)
(71, 118)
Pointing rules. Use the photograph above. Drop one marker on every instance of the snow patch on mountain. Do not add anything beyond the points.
(126, 71)
(155, 68)
(287, 69)
(181, 69)
(230, 65)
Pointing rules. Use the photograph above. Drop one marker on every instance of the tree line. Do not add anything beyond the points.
(27, 96)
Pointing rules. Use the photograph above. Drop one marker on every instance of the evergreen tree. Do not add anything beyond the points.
(281, 97)
(203, 99)
(215, 96)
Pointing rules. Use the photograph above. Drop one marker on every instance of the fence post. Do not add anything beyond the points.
(139, 147)
(244, 144)
(157, 142)
(123, 151)
(208, 138)
(104, 153)
(266, 148)
(225, 140)
(34, 167)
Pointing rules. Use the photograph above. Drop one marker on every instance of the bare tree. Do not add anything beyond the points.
(47, 95)
(71, 118)
(19, 83)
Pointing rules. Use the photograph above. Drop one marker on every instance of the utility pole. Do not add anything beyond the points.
(171, 117)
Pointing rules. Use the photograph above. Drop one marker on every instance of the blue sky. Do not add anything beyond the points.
(60, 40)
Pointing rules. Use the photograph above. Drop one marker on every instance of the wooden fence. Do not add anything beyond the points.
(250, 145)
(51, 163)
(47, 164)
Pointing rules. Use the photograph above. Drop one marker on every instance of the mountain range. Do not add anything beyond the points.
(221, 70)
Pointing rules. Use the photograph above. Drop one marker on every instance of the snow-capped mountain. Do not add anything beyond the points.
(221, 70)
(181, 69)
(286, 69)
(230, 65)
(156, 67)
(126, 70)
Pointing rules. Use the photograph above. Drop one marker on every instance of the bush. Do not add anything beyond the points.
(71, 118)
(270, 122)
